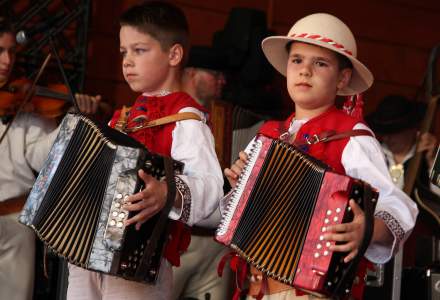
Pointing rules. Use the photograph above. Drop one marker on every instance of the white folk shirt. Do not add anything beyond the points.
(193, 144)
(23, 152)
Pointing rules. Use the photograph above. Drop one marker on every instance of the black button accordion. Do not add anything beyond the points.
(75, 205)
(278, 213)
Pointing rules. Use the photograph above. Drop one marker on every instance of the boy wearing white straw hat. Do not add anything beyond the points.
(318, 58)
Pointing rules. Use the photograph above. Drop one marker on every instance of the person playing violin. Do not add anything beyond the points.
(22, 152)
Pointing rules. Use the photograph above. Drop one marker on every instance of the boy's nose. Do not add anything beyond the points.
(127, 63)
(305, 71)
(5, 58)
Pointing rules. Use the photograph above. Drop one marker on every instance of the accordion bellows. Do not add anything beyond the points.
(278, 212)
(75, 205)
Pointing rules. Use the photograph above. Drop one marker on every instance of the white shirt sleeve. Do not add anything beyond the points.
(201, 185)
(363, 158)
(23, 152)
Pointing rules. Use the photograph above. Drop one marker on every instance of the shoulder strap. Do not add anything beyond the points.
(328, 136)
(162, 121)
(121, 123)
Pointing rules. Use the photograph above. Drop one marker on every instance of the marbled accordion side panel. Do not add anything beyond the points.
(110, 231)
(46, 174)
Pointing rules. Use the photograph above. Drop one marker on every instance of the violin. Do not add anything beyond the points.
(49, 102)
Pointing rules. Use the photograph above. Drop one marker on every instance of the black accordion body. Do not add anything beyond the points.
(278, 212)
(75, 206)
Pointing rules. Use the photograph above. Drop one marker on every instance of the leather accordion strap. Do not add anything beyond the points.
(161, 224)
(369, 204)
(162, 121)
(121, 124)
(328, 136)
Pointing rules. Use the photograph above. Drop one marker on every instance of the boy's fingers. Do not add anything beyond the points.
(242, 155)
(236, 169)
(350, 256)
(230, 174)
(140, 217)
(347, 247)
(357, 210)
(240, 164)
(338, 237)
(344, 227)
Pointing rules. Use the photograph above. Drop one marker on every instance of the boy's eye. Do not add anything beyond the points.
(296, 60)
(321, 63)
(139, 50)
(123, 53)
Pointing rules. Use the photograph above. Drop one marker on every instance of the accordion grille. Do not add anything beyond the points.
(273, 228)
(69, 214)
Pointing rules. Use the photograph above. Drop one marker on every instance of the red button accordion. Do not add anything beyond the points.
(278, 213)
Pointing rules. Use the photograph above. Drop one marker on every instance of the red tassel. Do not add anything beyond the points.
(239, 267)
(353, 106)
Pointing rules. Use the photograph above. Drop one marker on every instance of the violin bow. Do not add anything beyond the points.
(28, 95)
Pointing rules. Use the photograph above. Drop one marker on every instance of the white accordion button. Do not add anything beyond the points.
(119, 196)
(321, 237)
(316, 254)
(328, 244)
(335, 219)
(112, 223)
(119, 224)
(115, 214)
(319, 246)
(329, 212)
(121, 215)
(338, 210)
(325, 253)
(326, 221)
(117, 205)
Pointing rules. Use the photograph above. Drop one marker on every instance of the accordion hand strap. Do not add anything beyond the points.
(162, 222)
(368, 205)
(162, 121)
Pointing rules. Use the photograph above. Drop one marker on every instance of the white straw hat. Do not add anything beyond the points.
(326, 31)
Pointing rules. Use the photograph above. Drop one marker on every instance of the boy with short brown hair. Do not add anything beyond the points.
(153, 45)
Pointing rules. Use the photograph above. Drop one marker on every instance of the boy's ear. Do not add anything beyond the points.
(344, 78)
(175, 55)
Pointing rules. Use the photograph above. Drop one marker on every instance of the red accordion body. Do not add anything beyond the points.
(278, 212)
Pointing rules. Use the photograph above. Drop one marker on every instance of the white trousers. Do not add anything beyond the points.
(197, 274)
(88, 285)
(288, 295)
(17, 259)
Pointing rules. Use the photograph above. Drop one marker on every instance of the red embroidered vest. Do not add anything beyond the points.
(332, 119)
(159, 140)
